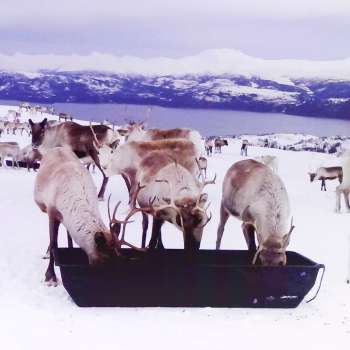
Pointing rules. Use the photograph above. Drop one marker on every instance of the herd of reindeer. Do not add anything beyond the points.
(165, 174)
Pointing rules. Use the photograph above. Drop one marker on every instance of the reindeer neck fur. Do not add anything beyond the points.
(53, 138)
(271, 213)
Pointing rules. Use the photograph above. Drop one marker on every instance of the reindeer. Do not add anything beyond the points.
(64, 117)
(126, 160)
(9, 149)
(81, 139)
(65, 191)
(344, 187)
(29, 156)
(209, 145)
(24, 106)
(327, 173)
(219, 143)
(202, 163)
(138, 134)
(23, 127)
(253, 193)
(270, 161)
(174, 195)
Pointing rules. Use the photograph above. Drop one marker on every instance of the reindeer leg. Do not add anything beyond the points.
(144, 229)
(224, 215)
(156, 233)
(346, 198)
(50, 276)
(249, 235)
(69, 240)
(338, 191)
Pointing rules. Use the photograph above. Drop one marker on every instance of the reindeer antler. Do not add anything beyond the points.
(95, 137)
(210, 182)
(118, 243)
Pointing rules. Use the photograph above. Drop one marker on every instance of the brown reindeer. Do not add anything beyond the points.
(327, 173)
(175, 195)
(219, 143)
(256, 195)
(80, 139)
(64, 190)
(126, 160)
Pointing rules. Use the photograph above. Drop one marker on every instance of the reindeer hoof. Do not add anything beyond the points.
(348, 281)
(101, 199)
(46, 256)
(52, 282)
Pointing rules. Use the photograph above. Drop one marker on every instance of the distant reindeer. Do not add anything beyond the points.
(209, 146)
(253, 193)
(202, 165)
(64, 190)
(327, 173)
(29, 156)
(244, 148)
(65, 117)
(9, 149)
(219, 143)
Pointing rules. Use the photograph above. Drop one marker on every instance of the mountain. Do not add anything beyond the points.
(223, 79)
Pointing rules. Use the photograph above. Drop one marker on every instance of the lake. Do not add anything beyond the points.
(206, 121)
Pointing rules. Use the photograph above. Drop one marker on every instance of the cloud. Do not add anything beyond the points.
(209, 61)
(75, 12)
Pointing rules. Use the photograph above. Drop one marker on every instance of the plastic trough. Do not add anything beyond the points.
(171, 279)
(23, 164)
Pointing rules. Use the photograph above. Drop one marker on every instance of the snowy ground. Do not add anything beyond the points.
(34, 316)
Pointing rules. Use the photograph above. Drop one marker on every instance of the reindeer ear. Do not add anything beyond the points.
(100, 240)
(43, 124)
(203, 199)
(286, 239)
(30, 122)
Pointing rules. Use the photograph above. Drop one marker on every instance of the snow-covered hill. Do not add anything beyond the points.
(224, 79)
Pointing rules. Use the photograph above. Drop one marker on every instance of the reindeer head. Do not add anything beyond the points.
(272, 251)
(136, 131)
(312, 176)
(109, 244)
(38, 132)
(186, 212)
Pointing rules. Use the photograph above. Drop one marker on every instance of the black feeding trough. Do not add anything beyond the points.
(23, 164)
(170, 278)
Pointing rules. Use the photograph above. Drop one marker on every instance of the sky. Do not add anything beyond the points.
(271, 29)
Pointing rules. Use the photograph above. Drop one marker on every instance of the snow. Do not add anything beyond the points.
(226, 87)
(215, 61)
(34, 316)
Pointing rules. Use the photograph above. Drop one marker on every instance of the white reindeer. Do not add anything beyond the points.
(65, 191)
(253, 193)
(344, 187)
(9, 149)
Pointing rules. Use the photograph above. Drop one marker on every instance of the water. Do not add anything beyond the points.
(208, 122)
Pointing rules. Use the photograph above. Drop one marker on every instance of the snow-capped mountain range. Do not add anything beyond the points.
(225, 79)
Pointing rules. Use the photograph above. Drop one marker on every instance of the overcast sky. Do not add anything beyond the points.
(307, 29)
